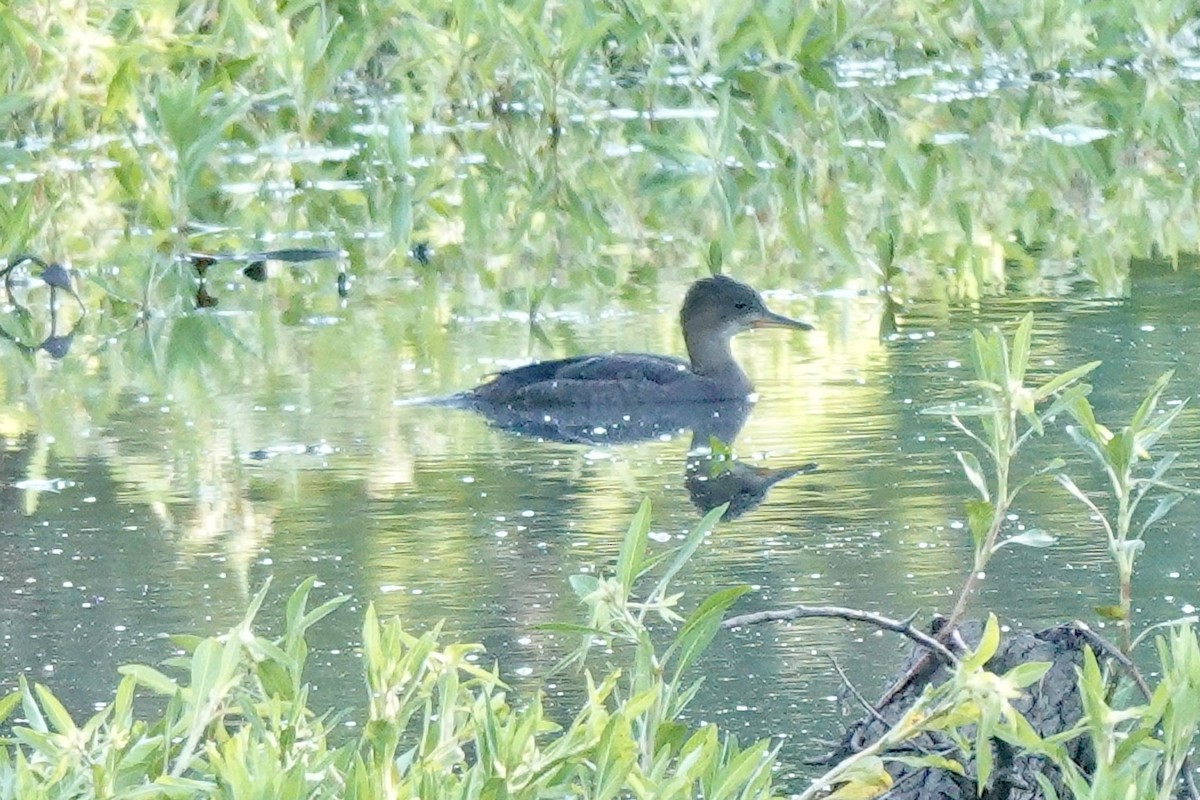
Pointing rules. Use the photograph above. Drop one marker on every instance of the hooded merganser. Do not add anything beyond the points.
(714, 310)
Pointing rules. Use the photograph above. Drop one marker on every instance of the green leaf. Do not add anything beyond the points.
(615, 756)
(1165, 504)
(979, 520)
(1148, 405)
(321, 612)
(974, 473)
(987, 645)
(633, 547)
(1028, 673)
(1046, 787)
(1034, 537)
(866, 778)
(172, 788)
(1019, 360)
(255, 604)
(690, 545)
(1081, 411)
(583, 585)
(701, 626)
(297, 601)
(931, 761)
(1070, 486)
(186, 642)
(150, 678)
(716, 257)
(739, 772)
(8, 703)
(983, 758)
(1062, 381)
(1119, 452)
(54, 710)
(1163, 466)
(962, 410)
(1110, 612)
(33, 714)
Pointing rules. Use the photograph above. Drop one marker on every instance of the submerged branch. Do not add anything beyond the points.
(903, 627)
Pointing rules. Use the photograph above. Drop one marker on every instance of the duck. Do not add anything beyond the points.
(714, 310)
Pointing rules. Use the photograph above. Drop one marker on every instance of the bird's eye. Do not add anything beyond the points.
(741, 306)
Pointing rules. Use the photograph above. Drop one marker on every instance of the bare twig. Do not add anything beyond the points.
(1113, 652)
(856, 694)
(903, 627)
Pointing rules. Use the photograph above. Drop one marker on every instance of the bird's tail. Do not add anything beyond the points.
(456, 400)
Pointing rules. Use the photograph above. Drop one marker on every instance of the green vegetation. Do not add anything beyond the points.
(1000, 377)
(1007, 402)
(1140, 748)
(436, 722)
(942, 153)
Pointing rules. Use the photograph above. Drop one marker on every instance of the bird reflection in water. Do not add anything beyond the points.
(56, 276)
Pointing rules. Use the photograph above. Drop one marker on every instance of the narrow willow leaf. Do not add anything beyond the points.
(1081, 411)
(1088, 445)
(633, 547)
(1028, 673)
(1163, 465)
(29, 705)
(150, 678)
(738, 772)
(1047, 788)
(1063, 380)
(865, 779)
(185, 641)
(974, 473)
(1138, 421)
(320, 612)
(1034, 537)
(8, 703)
(615, 756)
(297, 602)
(1062, 400)
(1071, 487)
(583, 585)
(256, 603)
(979, 521)
(688, 548)
(987, 645)
(1165, 504)
(1019, 361)
(702, 625)
(207, 672)
(931, 761)
(961, 410)
(55, 711)
(983, 758)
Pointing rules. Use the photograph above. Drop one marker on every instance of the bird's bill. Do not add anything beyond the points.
(770, 319)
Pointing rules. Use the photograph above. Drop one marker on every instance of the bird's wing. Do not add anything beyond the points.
(660, 370)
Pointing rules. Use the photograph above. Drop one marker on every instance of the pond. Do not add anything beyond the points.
(111, 538)
(211, 424)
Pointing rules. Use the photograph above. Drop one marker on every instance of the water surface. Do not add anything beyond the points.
(161, 508)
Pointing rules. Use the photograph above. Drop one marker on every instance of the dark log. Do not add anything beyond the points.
(1052, 705)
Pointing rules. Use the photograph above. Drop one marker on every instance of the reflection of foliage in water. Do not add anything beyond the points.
(947, 153)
